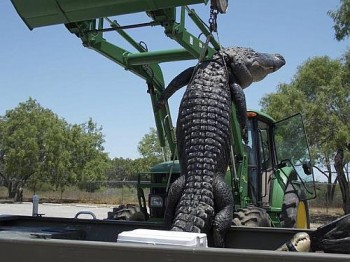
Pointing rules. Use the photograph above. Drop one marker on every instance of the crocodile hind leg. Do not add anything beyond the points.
(173, 198)
(224, 205)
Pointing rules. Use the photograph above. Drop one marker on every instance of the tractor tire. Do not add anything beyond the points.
(126, 213)
(251, 217)
(295, 212)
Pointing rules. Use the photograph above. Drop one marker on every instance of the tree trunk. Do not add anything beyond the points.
(334, 185)
(343, 183)
(11, 192)
(329, 194)
(13, 188)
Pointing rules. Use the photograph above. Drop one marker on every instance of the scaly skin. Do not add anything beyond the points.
(200, 201)
(335, 240)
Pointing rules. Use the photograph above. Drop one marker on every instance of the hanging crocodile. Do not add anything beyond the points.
(200, 201)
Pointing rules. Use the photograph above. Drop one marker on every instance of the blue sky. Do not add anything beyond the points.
(50, 65)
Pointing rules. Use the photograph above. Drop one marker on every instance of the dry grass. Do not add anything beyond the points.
(111, 196)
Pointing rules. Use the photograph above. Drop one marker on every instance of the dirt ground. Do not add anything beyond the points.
(56, 210)
(321, 216)
(318, 216)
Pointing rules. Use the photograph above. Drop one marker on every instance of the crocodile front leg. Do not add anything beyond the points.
(238, 98)
(178, 82)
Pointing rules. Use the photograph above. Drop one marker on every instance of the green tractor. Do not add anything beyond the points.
(271, 177)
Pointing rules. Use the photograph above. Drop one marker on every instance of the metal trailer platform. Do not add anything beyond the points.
(66, 239)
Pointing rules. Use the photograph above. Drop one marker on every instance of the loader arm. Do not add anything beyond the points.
(87, 19)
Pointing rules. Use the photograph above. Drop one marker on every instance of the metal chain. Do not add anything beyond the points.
(213, 25)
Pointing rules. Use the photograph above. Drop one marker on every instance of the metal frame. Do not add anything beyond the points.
(145, 63)
(37, 13)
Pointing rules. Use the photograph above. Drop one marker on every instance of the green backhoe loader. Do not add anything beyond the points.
(271, 177)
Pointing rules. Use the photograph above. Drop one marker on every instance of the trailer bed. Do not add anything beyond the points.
(69, 239)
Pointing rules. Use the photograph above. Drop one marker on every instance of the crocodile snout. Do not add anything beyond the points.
(279, 61)
(250, 66)
(263, 64)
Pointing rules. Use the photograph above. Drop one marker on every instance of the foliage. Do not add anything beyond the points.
(89, 162)
(121, 169)
(341, 19)
(31, 145)
(320, 91)
(128, 169)
(35, 145)
(149, 146)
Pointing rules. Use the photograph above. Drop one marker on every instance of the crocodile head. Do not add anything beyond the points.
(300, 242)
(249, 66)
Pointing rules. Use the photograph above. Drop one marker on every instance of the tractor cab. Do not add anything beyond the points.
(279, 165)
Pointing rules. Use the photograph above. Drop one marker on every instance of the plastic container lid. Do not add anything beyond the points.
(162, 237)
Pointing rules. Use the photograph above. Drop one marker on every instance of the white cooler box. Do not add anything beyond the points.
(162, 237)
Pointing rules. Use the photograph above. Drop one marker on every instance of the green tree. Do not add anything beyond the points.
(144, 164)
(122, 169)
(320, 91)
(341, 18)
(128, 169)
(31, 145)
(89, 163)
(36, 145)
(151, 151)
(149, 146)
